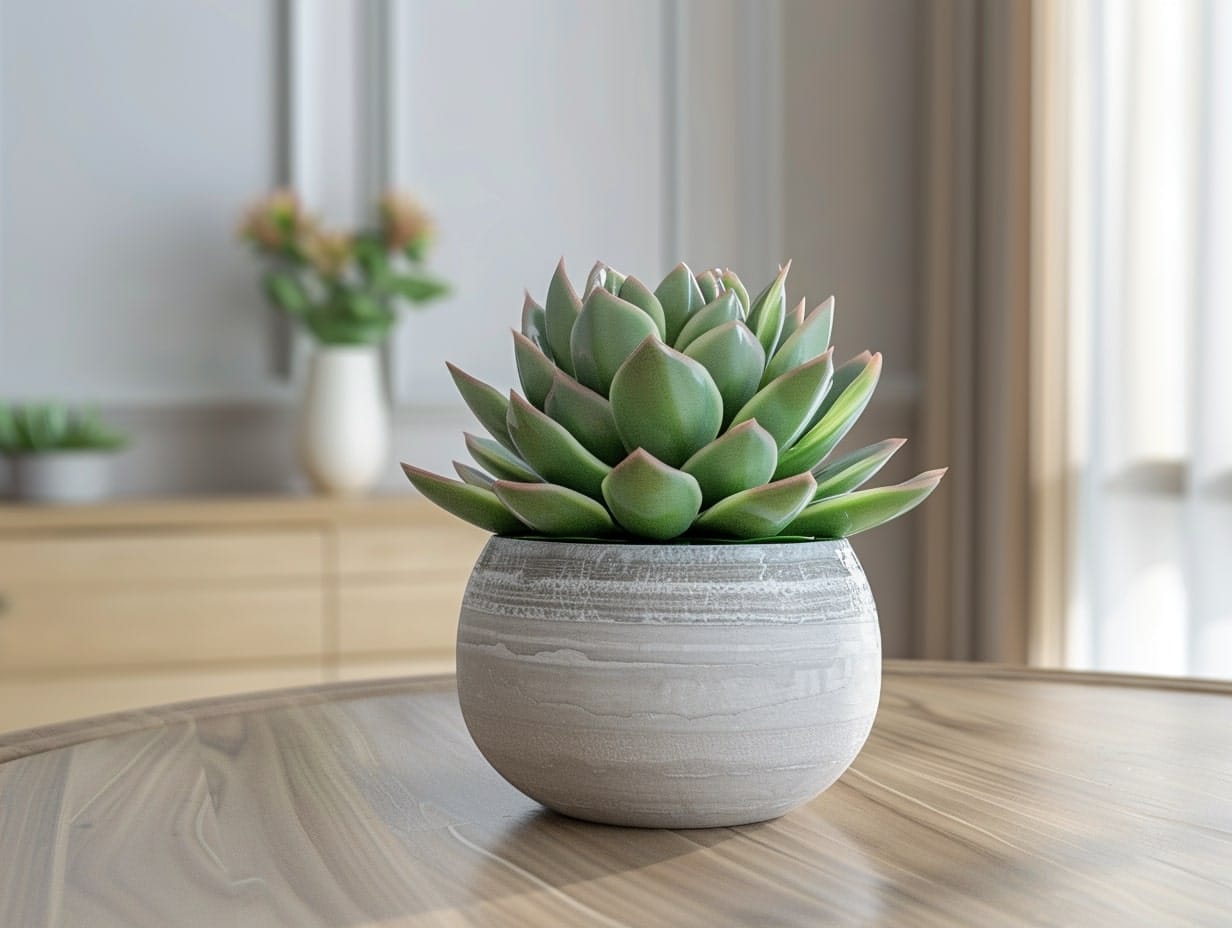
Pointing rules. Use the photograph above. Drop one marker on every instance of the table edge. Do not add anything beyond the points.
(26, 742)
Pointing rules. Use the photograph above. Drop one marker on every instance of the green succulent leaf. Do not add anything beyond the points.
(553, 453)
(820, 440)
(40, 427)
(855, 469)
(740, 458)
(680, 298)
(587, 416)
(650, 499)
(597, 278)
(760, 511)
(734, 358)
(535, 369)
(473, 475)
(473, 504)
(805, 343)
(535, 325)
(635, 292)
(791, 322)
(732, 283)
(844, 374)
(11, 439)
(497, 461)
(841, 516)
(665, 402)
(605, 277)
(561, 311)
(709, 286)
(785, 405)
(488, 404)
(606, 332)
(725, 308)
(555, 510)
(767, 312)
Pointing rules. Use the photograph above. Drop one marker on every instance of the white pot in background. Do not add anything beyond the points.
(344, 436)
(61, 476)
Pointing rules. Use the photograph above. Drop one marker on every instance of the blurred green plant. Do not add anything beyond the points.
(690, 411)
(345, 288)
(39, 428)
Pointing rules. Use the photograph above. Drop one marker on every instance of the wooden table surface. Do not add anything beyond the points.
(984, 796)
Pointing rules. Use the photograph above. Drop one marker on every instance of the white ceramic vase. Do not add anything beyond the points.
(344, 437)
(670, 686)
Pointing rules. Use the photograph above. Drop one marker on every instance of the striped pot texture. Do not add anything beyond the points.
(669, 686)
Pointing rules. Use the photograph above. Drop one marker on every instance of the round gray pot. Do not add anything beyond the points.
(61, 476)
(669, 686)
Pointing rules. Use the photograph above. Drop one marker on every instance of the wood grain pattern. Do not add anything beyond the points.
(221, 511)
(423, 548)
(984, 796)
(48, 630)
(122, 558)
(379, 618)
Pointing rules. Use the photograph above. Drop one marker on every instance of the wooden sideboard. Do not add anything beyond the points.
(122, 605)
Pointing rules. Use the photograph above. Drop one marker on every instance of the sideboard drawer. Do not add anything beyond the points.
(415, 616)
(159, 557)
(45, 629)
(448, 546)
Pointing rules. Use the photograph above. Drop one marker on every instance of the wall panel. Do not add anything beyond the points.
(534, 128)
(133, 131)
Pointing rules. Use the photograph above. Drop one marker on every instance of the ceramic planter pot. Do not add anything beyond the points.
(61, 476)
(345, 429)
(672, 686)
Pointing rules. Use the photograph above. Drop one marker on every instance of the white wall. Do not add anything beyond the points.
(133, 132)
(537, 130)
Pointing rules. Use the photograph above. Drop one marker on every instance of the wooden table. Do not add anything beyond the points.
(984, 797)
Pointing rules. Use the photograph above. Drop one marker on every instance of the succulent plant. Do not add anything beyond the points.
(43, 427)
(689, 411)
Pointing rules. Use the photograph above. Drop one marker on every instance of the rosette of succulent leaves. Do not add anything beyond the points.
(691, 411)
(46, 428)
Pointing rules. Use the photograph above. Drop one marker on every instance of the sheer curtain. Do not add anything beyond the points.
(1138, 130)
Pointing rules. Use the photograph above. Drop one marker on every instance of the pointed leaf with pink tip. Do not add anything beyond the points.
(841, 516)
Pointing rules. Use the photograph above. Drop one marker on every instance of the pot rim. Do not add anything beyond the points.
(786, 542)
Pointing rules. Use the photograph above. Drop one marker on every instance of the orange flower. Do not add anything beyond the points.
(275, 222)
(405, 224)
(327, 251)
